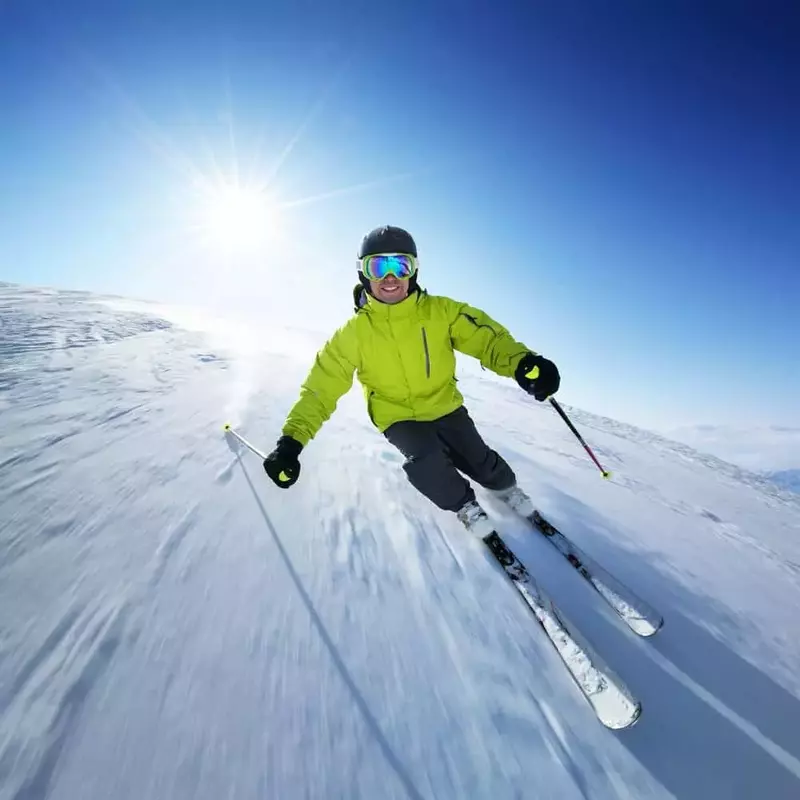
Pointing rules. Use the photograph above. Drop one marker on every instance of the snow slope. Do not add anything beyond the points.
(771, 451)
(173, 626)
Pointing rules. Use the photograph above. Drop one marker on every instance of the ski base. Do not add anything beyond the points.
(611, 700)
(640, 617)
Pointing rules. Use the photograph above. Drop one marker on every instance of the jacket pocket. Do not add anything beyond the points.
(427, 353)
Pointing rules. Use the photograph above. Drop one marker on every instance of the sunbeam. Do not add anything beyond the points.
(344, 190)
(313, 112)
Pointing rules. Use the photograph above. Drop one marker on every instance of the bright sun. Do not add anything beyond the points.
(237, 218)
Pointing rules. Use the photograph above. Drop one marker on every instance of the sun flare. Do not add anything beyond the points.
(237, 218)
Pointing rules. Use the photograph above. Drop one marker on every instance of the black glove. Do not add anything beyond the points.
(537, 376)
(282, 464)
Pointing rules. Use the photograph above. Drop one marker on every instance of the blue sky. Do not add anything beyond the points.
(616, 182)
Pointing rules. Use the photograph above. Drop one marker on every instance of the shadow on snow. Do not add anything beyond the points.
(319, 625)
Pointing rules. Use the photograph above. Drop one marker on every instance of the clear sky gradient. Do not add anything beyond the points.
(616, 182)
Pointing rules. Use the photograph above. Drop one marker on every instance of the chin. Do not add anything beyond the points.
(393, 298)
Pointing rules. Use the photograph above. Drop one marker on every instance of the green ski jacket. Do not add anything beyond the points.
(404, 357)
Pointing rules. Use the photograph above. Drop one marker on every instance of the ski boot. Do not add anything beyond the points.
(515, 499)
(474, 519)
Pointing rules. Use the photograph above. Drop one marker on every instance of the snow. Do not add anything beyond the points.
(174, 626)
(771, 451)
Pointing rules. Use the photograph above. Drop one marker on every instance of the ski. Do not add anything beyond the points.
(640, 617)
(611, 700)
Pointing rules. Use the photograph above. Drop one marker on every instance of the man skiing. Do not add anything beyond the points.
(401, 344)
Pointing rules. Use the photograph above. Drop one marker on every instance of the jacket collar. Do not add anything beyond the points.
(406, 308)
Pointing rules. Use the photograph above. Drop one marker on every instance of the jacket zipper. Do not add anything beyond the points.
(427, 354)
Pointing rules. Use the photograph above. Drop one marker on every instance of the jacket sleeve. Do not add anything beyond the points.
(330, 377)
(475, 333)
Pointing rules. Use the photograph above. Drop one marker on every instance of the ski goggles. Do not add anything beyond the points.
(377, 267)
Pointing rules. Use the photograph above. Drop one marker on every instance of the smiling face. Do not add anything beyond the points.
(390, 290)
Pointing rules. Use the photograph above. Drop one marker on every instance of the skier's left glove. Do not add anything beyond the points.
(537, 376)
(283, 463)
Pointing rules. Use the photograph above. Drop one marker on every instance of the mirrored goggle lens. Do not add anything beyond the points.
(376, 268)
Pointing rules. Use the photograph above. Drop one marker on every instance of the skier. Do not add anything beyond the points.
(401, 343)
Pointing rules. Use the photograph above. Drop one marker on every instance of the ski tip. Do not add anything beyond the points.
(624, 722)
(644, 626)
(226, 427)
(636, 716)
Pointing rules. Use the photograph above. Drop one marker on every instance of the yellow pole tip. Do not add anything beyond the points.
(226, 426)
(606, 475)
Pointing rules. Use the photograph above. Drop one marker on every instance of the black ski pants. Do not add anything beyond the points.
(436, 452)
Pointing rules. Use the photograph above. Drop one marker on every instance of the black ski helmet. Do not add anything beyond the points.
(387, 239)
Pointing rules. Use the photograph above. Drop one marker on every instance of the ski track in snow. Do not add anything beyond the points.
(173, 626)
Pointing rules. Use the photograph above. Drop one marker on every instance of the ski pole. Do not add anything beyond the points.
(563, 415)
(227, 428)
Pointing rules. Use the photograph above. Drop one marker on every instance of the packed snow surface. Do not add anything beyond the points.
(174, 627)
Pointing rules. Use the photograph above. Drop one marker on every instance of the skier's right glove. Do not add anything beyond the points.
(282, 464)
(537, 376)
